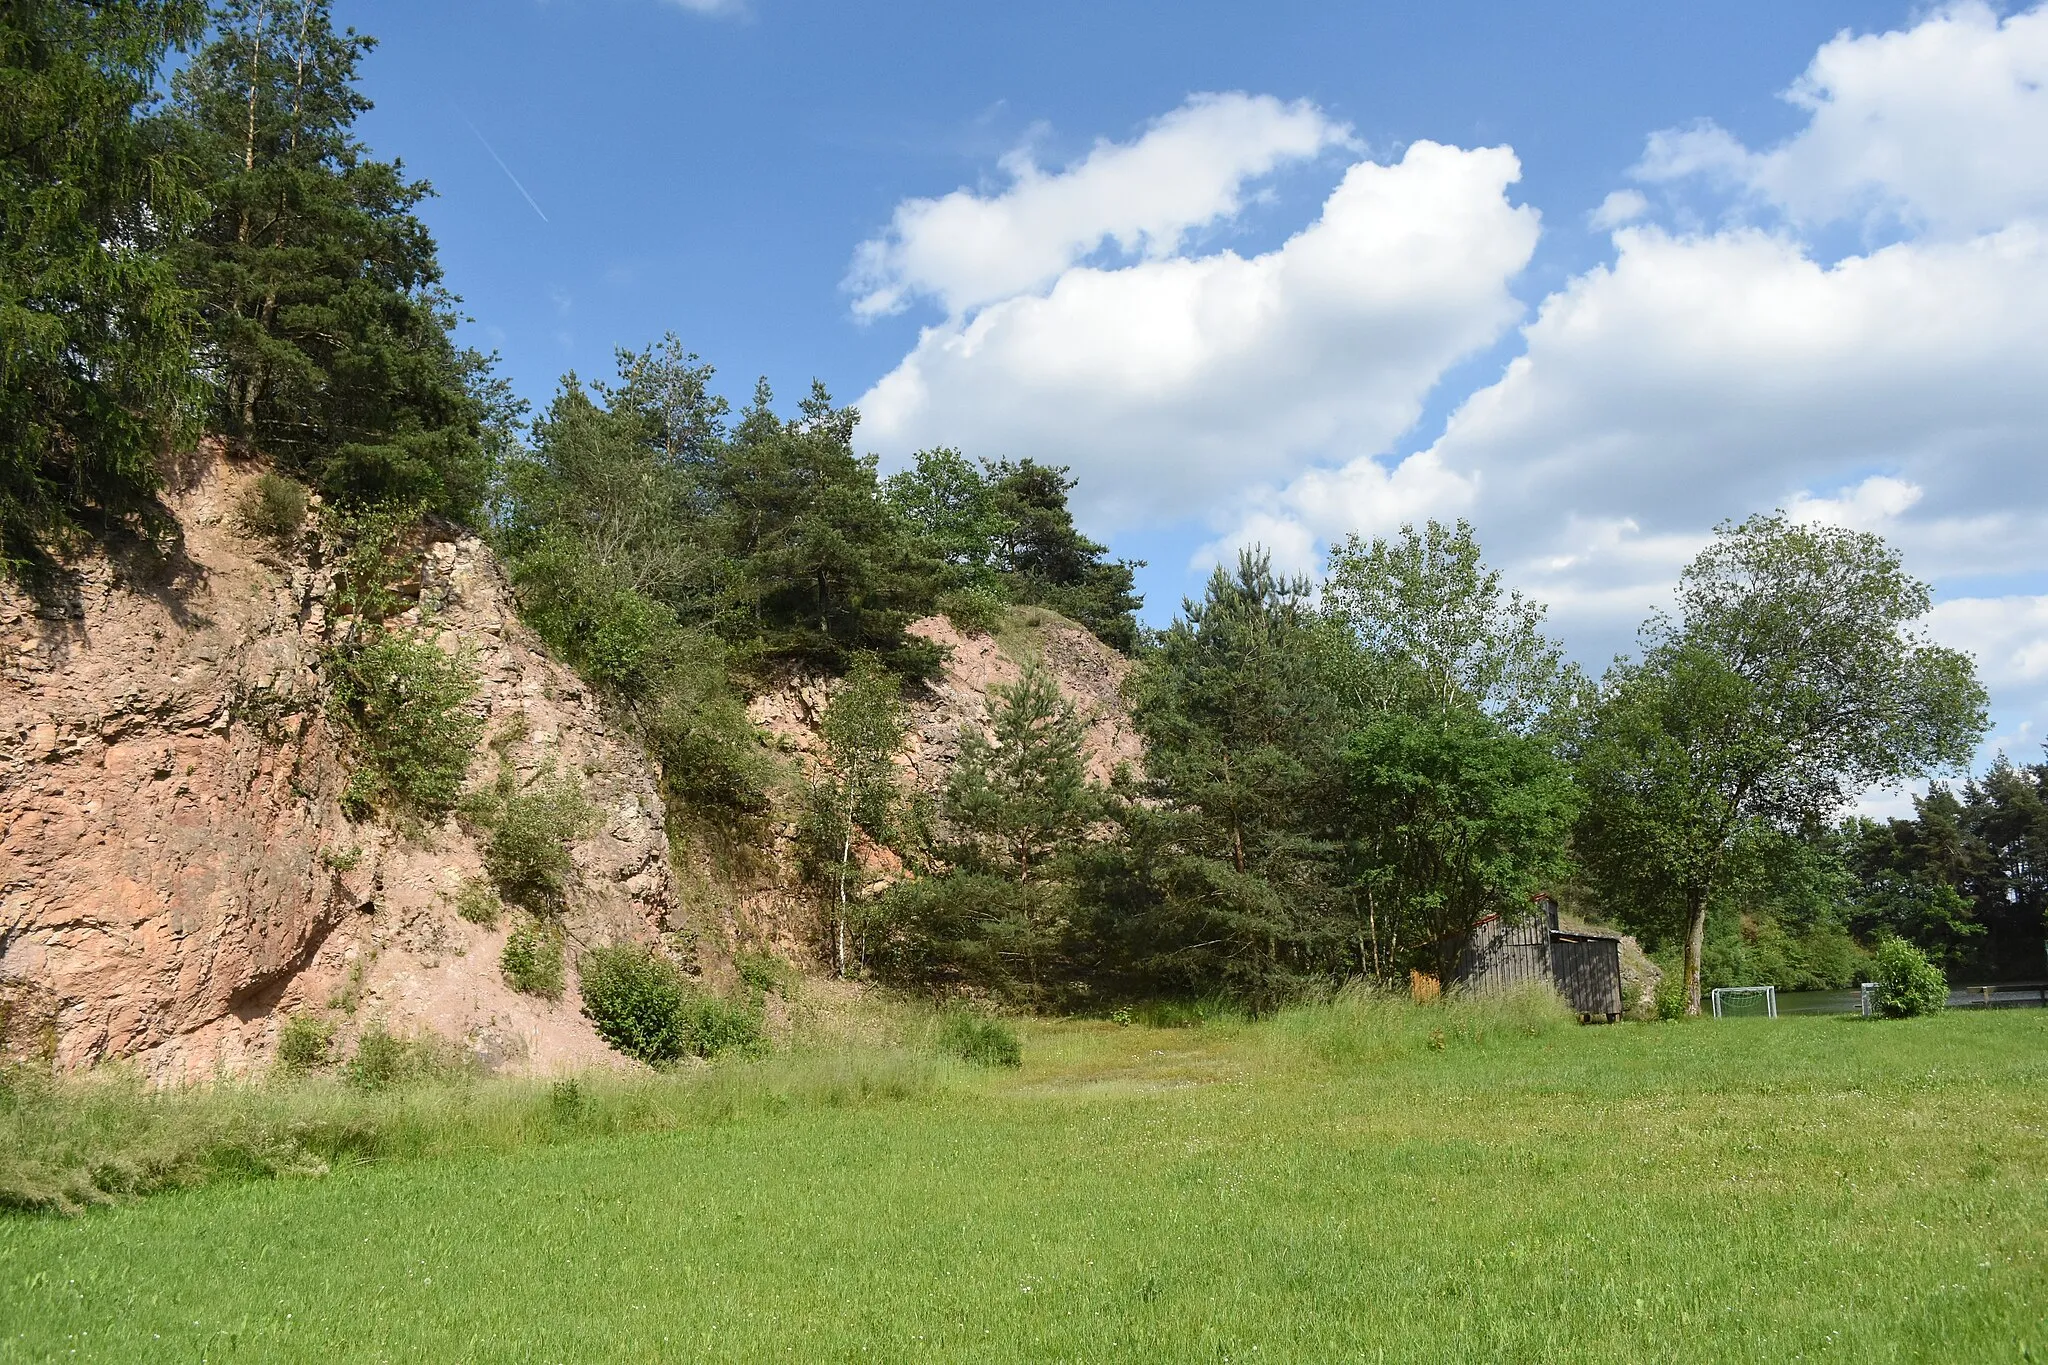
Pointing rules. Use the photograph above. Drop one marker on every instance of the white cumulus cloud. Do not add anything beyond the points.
(1708, 374)
(1943, 126)
(2009, 636)
(1189, 169)
(1175, 382)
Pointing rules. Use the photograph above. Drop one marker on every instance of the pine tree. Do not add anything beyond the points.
(1018, 803)
(95, 360)
(816, 566)
(325, 323)
(1046, 560)
(1020, 796)
(1231, 880)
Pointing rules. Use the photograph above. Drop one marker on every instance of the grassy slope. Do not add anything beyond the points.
(1327, 1186)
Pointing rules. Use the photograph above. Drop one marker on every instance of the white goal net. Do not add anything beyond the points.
(1736, 1002)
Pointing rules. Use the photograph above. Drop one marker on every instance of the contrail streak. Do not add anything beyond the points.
(501, 164)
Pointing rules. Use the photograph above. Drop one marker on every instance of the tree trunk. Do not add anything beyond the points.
(1372, 921)
(845, 859)
(255, 76)
(1695, 943)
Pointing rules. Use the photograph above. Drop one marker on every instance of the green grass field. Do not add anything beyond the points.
(1359, 1182)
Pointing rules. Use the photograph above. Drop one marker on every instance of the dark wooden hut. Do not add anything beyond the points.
(1584, 968)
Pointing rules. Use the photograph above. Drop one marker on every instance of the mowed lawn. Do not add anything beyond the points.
(1314, 1188)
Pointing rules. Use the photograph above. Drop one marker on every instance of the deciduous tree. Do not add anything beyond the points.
(1792, 679)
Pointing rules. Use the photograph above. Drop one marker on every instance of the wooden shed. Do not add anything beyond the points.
(1584, 968)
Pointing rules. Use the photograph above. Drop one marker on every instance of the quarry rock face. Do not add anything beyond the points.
(1089, 673)
(769, 910)
(177, 875)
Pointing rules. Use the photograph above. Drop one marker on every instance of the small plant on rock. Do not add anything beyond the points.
(532, 959)
(477, 901)
(272, 507)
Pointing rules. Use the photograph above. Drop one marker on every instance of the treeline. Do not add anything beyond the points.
(1340, 780)
(227, 257)
(679, 557)
(224, 257)
(1343, 782)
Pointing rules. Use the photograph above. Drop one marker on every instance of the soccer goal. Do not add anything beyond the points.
(1736, 1002)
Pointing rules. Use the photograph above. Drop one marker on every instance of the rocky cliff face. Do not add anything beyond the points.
(177, 875)
(767, 908)
(176, 872)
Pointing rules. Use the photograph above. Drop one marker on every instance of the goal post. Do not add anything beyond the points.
(1734, 1001)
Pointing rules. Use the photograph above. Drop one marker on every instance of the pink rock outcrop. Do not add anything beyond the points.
(176, 872)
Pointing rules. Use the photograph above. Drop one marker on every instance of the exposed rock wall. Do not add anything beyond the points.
(176, 873)
(769, 908)
(177, 876)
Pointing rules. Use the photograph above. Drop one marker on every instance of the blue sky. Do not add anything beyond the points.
(1722, 258)
(711, 174)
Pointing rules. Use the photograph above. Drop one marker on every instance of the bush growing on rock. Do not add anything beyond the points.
(273, 507)
(974, 610)
(527, 853)
(406, 699)
(532, 959)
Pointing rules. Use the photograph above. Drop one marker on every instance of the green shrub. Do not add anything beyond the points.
(527, 854)
(478, 903)
(406, 701)
(273, 507)
(763, 972)
(973, 610)
(532, 959)
(383, 1060)
(1907, 983)
(719, 1025)
(642, 1006)
(1670, 995)
(978, 1039)
(304, 1044)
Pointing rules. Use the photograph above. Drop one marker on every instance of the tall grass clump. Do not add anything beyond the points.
(69, 1144)
(979, 1040)
(1364, 1023)
(384, 1060)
